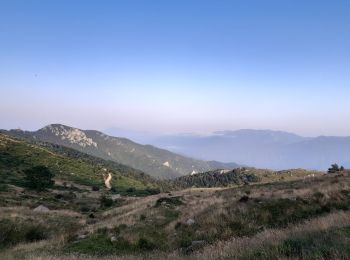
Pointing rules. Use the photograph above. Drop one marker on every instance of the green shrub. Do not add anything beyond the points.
(172, 201)
(13, 232)
(106, 202)
(145, 244)
(329, 244)
(39, 178)
(3, 187)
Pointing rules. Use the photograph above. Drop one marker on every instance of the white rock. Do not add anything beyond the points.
(115, 196)
(41, 208)
(166, 164)
(190, 221)
(82, 236)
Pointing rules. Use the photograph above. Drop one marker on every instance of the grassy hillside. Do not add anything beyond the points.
(304, 217)
(17, 155)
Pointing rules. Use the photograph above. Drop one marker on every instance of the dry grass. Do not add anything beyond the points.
(231, 249)
(208, 207)
(237, 246)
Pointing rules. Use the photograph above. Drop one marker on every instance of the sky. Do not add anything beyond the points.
(176, 66)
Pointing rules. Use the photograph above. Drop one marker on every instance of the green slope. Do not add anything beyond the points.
(68, 165)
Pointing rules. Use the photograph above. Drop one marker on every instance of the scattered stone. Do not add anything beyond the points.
(115, 197)
(80, 237)
(113, 239)
(41, 208)
(198, 243)
(190, 222)
(195, 245)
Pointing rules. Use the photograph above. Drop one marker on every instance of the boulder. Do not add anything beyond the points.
(195, 245)
(190, 221)
(80, 237)
(115, 197)
(41, 208)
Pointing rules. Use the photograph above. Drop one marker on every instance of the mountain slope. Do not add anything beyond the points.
(153, 161)
(262, 148)
(17, 155)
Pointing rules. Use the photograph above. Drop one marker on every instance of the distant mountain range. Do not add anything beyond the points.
(156, 162)
(262, 148)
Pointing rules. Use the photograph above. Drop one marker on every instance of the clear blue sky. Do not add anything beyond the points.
(176, 66)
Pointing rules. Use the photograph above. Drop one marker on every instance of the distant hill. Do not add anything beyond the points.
(156, 162)
(242, 175)
(262, 148)
(17, 155)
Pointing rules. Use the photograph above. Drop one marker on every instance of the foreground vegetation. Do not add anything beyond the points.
(289, 219)
(246, 213)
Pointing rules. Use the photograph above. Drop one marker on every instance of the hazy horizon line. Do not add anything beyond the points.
(108, 130)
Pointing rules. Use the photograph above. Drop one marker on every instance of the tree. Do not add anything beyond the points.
(39, 178)
(335, 168)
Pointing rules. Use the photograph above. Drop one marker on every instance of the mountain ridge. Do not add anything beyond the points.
(263, 148)
(154, 161)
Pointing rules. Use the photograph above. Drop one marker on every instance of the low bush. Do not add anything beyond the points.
(145, 244)
(328, 244)
(106, 202)
(169, 201)
(13, 232)
(95, 188)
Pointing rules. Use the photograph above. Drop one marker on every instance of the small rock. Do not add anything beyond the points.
(41, 208)
(190, 221)
(113, 239)
(82, 237)
(195, 245)
(198, 243)
(115, 197)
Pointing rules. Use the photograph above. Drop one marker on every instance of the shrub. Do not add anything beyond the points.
(3, 187)
(244, 199)
(14, 232)
(106, 201)
(335, 168)
(39, 178)
(172, 201)
(144, 244)
(152, 191)
(95, 188)
(131, 190)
